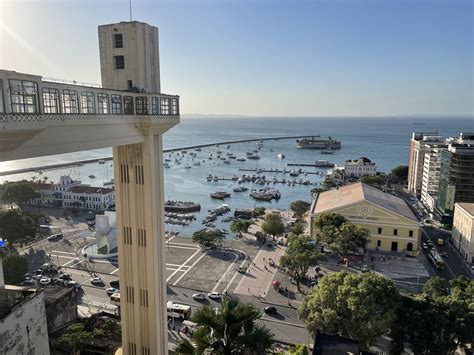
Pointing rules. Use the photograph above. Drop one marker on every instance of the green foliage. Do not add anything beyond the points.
(258, 212)
(107, 328)
(400, 172)
(273, 224)
(15, 267)
(376, 181)
(299, 349)
(298, 228)
(16, 226)
(361, 307)
(435, 287)
(75, 337)
(299, 257)
(462, 289)
(232, 329)
(328, 184)
(239, 226)
(318, 190)
(299, 207)
(208, 238)
(346, 238)
(329, 220)
(19, 192)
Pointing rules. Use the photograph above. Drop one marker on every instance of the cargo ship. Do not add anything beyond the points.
(313, 143)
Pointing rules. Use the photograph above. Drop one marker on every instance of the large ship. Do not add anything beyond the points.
(313, 143)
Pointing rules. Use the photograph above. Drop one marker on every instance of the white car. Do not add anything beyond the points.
(29, 281)
(45, 281)
(199, 296)
(111, 290)
(96, 281)
(424, 246)
(214, 295)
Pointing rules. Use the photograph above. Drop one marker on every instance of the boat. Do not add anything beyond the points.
(109, 182)
(323, 164)
(241, 159)
(197, 164)
(240, 189)
(182, 207)
(253, 157)
(101, 161)
(281, 156)
(92, 176)
(197, 149)
(226, 161)
(313, 143)
(294, 172)
(220, 195)
(166, 165)
(327, 151)
(187, 167)
(266, 194)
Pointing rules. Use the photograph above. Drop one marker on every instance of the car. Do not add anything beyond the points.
(110, 291)
(71, 283)
(214, 295)
(97, 281)
(115, 284)
(38, 272)
(65, 277)
(270, 310)
(29, 281)
(45, 281)
(199, 296)
(424, 246)
(443, 254)
(429, 242)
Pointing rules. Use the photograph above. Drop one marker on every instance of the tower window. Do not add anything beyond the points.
(119, 62)
(118, 40)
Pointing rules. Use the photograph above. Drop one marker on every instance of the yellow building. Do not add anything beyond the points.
(463, 230)
(392, 224)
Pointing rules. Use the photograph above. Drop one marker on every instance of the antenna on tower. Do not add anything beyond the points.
(130, 3)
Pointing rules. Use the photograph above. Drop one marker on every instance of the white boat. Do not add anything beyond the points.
(241, 159)
(281, 156)
(166, 165)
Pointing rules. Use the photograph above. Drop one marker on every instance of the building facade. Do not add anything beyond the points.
(456, 179)
(431, 170)
(359, 167)
(463, 230)
(416, 159)
(392, 224)
(71, 193)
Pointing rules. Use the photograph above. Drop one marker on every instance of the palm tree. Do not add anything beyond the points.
(231, 329)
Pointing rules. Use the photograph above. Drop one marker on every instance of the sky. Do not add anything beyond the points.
(267, 57)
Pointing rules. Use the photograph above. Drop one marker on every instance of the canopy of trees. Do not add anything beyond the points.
(298, 228)
(273, 224)
(360, 307)
(239, 226)
(299, 257)
(376, 181)
(231, 329)
(299, 207)
(400, 172)
(15, 226)
(19, 192)
(15, 267)
(258, 212)
(209, 238)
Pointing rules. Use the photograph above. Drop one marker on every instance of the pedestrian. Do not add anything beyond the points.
(249, 289)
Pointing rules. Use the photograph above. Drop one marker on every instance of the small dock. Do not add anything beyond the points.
(312, 165)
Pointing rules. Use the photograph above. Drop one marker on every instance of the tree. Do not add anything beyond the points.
(376, 181)
(208, 238)
(75, 337)
(462, 289)
(231, 329)
(298, 228)
(258, 212)
(107, 328)
(348, 237)
(239, 226)
(318, 190)
(299, 349)
(19, 192)
(358, 306)
(273, 224)
(435, 287)
(16, 226)
(300, 255)
(300, 207)
(15, 267)
(400, 172)
(329, 219)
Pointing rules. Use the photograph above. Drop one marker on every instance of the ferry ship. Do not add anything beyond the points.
(312, 143)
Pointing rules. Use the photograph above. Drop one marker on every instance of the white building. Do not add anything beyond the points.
(431, 169)
(416, 159)
(359, 167)
(463, 230)
(71, 193)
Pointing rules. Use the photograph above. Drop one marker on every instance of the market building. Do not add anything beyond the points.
(393, 226)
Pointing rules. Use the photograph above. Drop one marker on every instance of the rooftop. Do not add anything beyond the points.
(12, 296)
(358, 192)
(91, 190)
(468, 207)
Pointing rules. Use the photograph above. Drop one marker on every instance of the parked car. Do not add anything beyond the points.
(115, 284)
(270, 310)
(55, 237)
(97, 281)
(199, 296)
(424, 246)
(443, 254)
(29, 281)
(65, 277)
(110, 291)
(45, 281)
(38, 272)
(214, 295)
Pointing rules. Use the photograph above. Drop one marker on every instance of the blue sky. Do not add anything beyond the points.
(268, 57)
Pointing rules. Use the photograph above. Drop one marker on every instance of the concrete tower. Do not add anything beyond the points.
(129, 57)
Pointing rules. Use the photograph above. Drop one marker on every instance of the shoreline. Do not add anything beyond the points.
(88, 161)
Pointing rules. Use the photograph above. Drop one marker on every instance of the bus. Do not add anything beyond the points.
(176, 310)
(115, 299)
(436, 259)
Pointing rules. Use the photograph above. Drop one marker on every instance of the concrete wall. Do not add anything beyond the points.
(61, 309)
(24, 331)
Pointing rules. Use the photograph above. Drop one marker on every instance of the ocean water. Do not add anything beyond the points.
(383, 140)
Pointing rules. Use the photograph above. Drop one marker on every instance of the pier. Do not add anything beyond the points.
(331, 165)
(88, 161)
